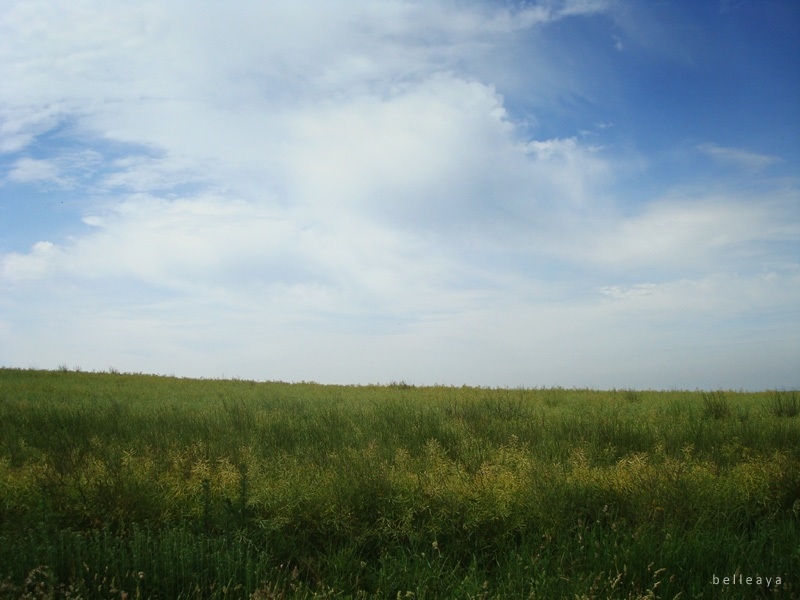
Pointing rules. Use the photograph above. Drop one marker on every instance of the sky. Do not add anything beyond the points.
(576, 193)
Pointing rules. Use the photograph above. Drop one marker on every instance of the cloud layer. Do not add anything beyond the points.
(352, 194)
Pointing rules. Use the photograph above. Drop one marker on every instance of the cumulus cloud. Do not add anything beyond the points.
(32, 265)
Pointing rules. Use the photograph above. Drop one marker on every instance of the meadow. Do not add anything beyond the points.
(133, 486)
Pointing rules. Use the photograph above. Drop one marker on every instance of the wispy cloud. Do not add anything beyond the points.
(30, 169)
(627, 291)
(63, 170)
(737, 157)
(692, 234)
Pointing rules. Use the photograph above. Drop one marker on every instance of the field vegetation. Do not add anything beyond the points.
(131, 486)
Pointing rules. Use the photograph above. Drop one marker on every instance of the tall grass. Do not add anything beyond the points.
(117, 485)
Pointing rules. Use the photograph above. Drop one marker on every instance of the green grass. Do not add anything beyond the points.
(126, 486)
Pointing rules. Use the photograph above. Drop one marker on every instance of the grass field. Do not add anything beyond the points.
(134, 486)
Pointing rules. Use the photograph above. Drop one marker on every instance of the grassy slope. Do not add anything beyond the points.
(202, 488)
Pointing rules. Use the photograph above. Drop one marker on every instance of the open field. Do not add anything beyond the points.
(133, 486)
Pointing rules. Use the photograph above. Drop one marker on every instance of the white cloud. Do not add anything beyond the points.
(20, 121)
(40, 261)
(64, 170)
(427, 156)
(684, 334)
(210, 247)
(627, 291)
(30, 169)
(721, 296)
(691, 234)
(582, 7)
(737, 157)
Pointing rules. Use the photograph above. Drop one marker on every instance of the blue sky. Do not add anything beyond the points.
(595, 193)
